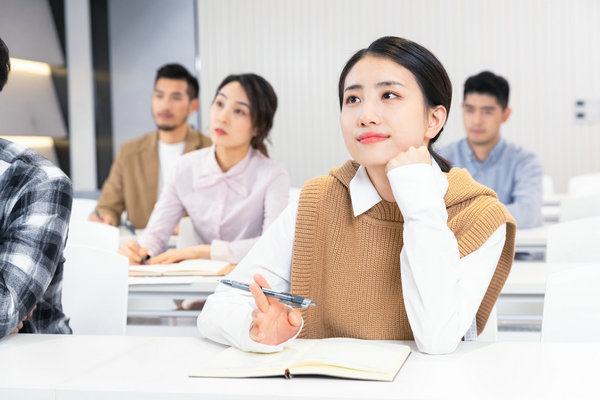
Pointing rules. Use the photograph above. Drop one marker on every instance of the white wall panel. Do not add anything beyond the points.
(547, 49)
(145, 35)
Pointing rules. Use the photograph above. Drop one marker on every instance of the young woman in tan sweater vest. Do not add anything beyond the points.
(393, 244)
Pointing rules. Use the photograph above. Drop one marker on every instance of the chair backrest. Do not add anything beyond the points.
(547, 186)
(93, 234)
(579, 207)
(186, 237)
(584, 185)
(82, 209)
(94, 290)
(572, 305)
(574, 241)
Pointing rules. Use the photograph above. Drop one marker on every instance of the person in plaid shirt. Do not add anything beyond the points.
(35, 207)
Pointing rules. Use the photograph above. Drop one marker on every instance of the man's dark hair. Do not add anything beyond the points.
(487, 82)
(178, 72)
(4, 64)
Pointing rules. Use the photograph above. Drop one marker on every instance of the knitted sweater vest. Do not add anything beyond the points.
(350, 265)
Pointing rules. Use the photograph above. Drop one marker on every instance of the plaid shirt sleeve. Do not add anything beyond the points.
(35, 207)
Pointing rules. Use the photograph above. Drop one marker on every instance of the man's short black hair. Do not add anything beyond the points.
(4, 64)
(178, 71)
(487, 82)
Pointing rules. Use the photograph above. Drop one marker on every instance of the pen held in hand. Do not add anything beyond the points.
(129, 226)
(286, 298)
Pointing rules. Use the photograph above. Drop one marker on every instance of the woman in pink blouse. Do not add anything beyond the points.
(231, 191)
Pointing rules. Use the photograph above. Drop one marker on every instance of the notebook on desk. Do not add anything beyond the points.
(337, 357)
(197, 267)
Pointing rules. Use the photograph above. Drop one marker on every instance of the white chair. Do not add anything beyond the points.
(572, 305)
(94, 290)
(547, 186)
(574, 241)
(584, 185)
(579, 207)
(93, 234)
(82, 209)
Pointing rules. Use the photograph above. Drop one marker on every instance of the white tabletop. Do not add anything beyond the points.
(530, 277)
(531, 240)
(78, 367)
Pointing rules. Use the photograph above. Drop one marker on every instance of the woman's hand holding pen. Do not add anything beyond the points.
(273, 322)
(135, 253)
(414, 155)
(175, 255)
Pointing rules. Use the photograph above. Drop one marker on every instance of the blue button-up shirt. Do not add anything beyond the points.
(513, 173)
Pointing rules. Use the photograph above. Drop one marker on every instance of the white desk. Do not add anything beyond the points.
(522, 298)
(103, 367)
(525, 283)
(147, 289)
(554, 199)
(532, 240)
(550, 214)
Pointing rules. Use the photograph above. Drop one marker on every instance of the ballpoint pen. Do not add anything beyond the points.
(287, 298)
(129, 226)
(98, 214)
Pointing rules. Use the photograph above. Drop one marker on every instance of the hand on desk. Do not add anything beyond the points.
(20, 325)
(103, 219)
(273, 322)
(175, 255)
(133, 252)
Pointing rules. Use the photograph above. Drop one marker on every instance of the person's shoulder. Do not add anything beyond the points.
(266, 164)
(451, 148)
(199, 154)
(519, 153)
(138, 144)
(28, 166)
(22, 157)
(199, 139)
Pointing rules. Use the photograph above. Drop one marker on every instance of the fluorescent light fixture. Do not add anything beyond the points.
(34, 67)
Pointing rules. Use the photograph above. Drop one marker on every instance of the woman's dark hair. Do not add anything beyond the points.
(426, 68)
(263, 104)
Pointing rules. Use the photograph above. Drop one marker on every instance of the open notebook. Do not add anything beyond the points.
(197, 267)
(339, 357)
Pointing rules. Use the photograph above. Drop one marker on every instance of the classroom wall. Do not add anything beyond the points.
(144, 35)
(547, 49)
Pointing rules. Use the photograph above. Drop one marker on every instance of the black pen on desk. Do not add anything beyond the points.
(286, 298)
(129, 226)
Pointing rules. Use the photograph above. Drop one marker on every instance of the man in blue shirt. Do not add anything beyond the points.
(513, 173)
